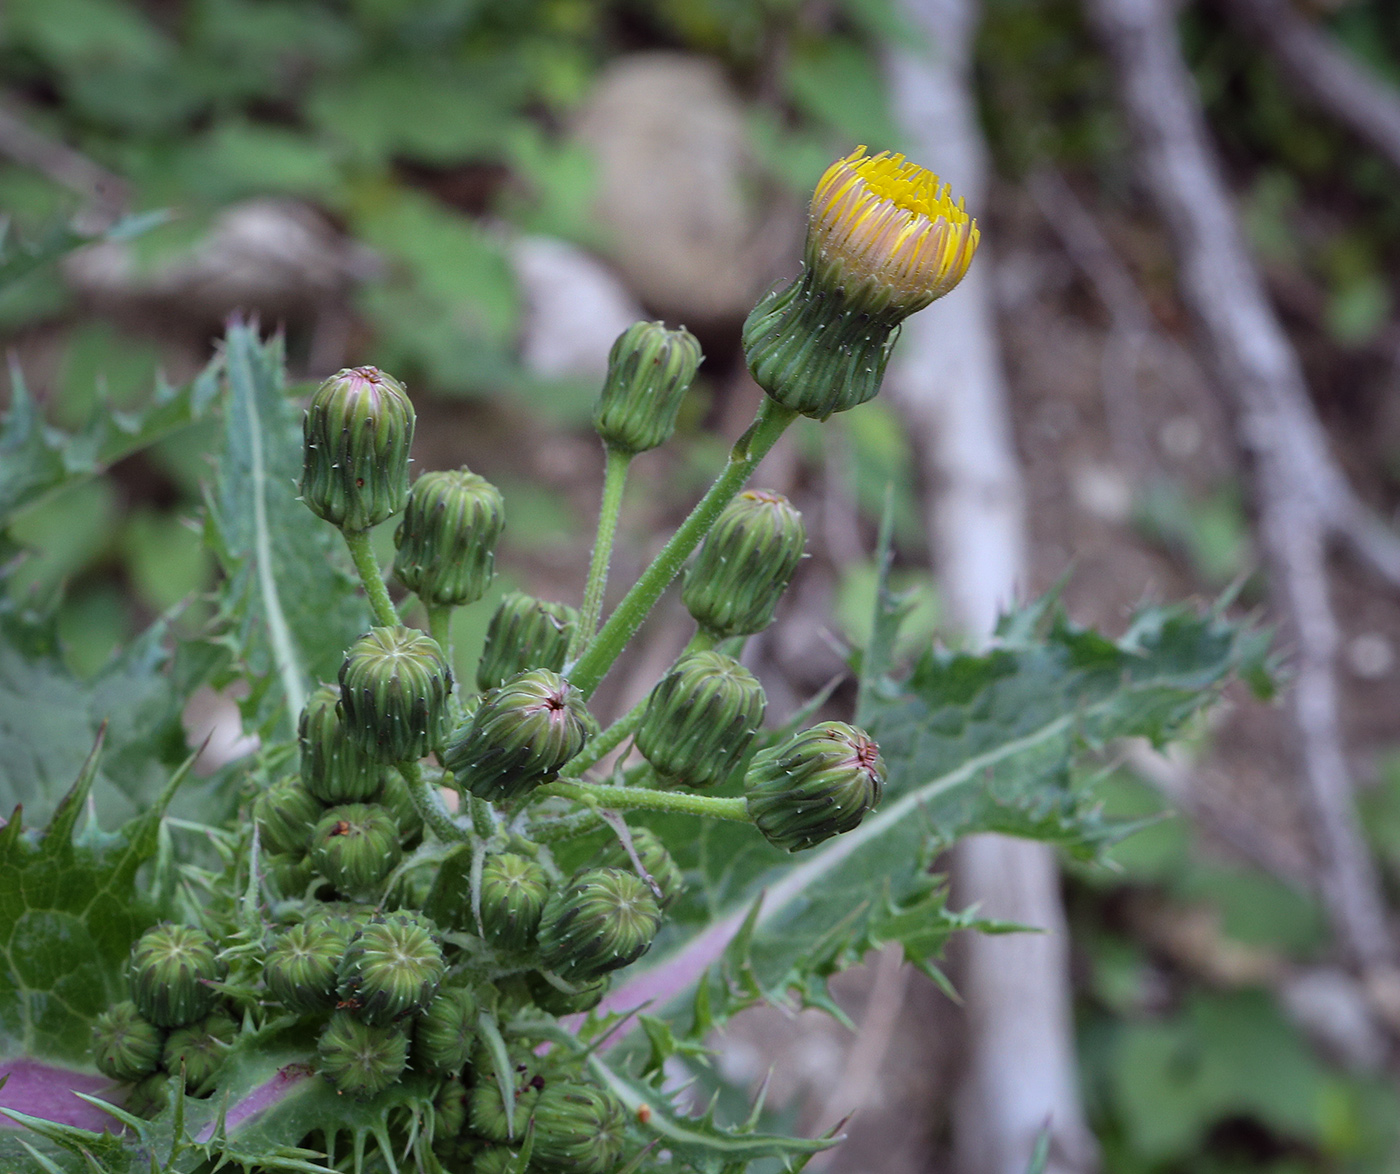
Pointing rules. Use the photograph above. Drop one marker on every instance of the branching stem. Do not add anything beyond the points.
(431, 807)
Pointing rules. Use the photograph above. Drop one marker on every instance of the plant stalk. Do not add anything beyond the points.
(627, 798)
(440, 628)
(769, 424)
(431, 807)
(367, 564)
(614, 480)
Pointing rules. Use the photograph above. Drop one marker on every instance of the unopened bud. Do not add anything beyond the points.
(701, 719)
(359, 1058)
(449, 1110)
(745, 564)
(487, 1114)
(391, 969)
(394, 686)
(816, 785)
(447, 539)
(125, 1046)
(285, 814)
(171, 966)
(519, 737)
(552, 998)
(199, 1051)
(579, 1128)
(150, 1096)
(655, 859)
(357, 431)
(649, 370)
(514, 890)
(301, 966)
(446, 1031)
(603, 920)
(355, 846)
(333, 767)
(524, 633)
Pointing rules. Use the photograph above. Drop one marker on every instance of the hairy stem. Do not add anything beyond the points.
(440, 627)
(748, 450)
(614, 479)
(362, 552)
(431, 807)
(627, 798)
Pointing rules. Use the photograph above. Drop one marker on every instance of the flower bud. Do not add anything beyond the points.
(519, 736)
(603, 920)
(355, 846)
(394, 797)
(150, 1097)
(816, 785)
(554, 1000)
(357, 432)
(745, 564)
(655, 859)
(514, 890)
(333, 768)
(487, 1111)
(578, 1128)
(495, 1159)
(446, 1031)
(125, 1046)
(170, 965)
(391, 969)
(394, 686)
(884, 239)
(449, 1110)
(301, 965)
(285, 814)
(361, 1059)
(649, 370)
(447, 539)
(200, 1049)
(524, 633)
(288, 875)
(700, 719)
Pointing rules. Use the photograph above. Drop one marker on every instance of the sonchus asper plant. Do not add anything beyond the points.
(418, 939)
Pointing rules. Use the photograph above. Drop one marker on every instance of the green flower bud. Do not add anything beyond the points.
(701, 719)
(394, 686)
(125, 1046)
(170, 966)
(200, 1048)
(494, 1159)
(149, 1098)
(649, 370)
(334, 768)
(355, 846)
(579, 1128)
(357, 431)
(342, 918)
(395, 797)
(301, 966)
(745, 564)
(391, 969)
(884, 239)
(447, 539)
(447, 1030)
(553, 1000)
(361, 1059)
(655, 859)
(519, 737)
(603, 920)
(524, 633)
(285, 814)
(514, 890)
(487, 1111)
(816, 785)
(288, 875)
(449, 1110)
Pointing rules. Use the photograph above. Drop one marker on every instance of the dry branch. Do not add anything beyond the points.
(1297, 483)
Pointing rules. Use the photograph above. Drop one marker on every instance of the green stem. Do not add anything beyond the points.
(748, 450)
(362, 552)
(440, 627)
(626, 798)
(625, 726)
(614, 479)
(431, 807)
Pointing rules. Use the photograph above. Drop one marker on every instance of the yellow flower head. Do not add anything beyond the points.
(885, 228)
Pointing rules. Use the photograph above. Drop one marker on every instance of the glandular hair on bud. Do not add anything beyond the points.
(361, 1059)
(579, 1128)
(357, 433)
(285, 814)
(333, 767)
(392, 968)
(394, 685)
(355, 846)
(524, 633)
(816, 785)
(602, 920)
(649, 370)
(519, 736)
(199, 1051)
(655, 859)
(169, 972)
(446, 543)
(701, 719)
(745, 564)
(301, 965)
(124, 1045)
(446, 1031)
(514, 890)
